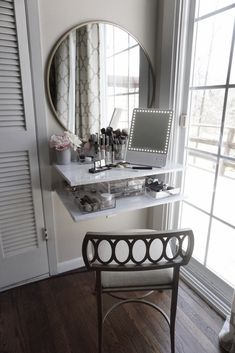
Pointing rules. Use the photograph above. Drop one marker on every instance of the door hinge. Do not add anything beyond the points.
(183, 120)
(45, 234)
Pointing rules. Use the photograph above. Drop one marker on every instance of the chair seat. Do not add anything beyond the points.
(136, 279)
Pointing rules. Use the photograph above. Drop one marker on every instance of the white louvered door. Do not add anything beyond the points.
(23, 251)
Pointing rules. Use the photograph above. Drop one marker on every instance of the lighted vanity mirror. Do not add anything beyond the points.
(96, 70)
(149, 137)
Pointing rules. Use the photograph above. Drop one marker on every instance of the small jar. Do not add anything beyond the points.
(107, 200)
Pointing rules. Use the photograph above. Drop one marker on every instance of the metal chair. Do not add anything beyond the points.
(143, 260)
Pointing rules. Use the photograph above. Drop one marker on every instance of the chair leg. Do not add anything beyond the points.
(99, 316)
(174, 299)
(172, 322)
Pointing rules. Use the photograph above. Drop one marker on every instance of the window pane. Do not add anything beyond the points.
(109, 45)
(205, 118)
(121, 72)
(121, 102)
(221, 256)
(132, 41)
(228, 147)
(110, 107)
(133, 103)
(213, 40)
(225, 192)
(110, 84)
(232, 74)
(207, 6)
(199, 181)
(120, 40)
(134, 64)
(198, 222)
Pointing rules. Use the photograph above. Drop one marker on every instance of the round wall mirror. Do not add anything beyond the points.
(97, 74)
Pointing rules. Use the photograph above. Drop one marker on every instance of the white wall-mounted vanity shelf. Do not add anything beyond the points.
(77, 174)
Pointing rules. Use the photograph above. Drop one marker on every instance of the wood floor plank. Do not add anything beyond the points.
(58, 315)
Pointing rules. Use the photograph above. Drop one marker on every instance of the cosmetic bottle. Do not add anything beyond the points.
(108, 152)
(97, 149)
(102, 146)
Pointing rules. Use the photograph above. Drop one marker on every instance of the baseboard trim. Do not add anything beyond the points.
(28, 281)
(206, 293)
(70, 265)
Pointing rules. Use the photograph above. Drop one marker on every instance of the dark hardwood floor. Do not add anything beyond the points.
(58, 315)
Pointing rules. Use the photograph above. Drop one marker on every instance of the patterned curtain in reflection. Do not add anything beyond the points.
(64, 67)
(87, 108)
(77, 76)
(227, 334)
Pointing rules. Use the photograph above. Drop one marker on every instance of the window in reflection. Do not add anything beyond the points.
(121, 78)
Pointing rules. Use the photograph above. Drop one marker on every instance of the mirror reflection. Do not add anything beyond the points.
(98, 73)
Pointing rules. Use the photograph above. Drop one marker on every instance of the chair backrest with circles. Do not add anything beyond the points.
(144, 260)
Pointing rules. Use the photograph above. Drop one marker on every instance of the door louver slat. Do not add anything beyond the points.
(15, 202)
(8, 66)
(17, 221)
(21, 223)
(7, 98)
(10, 62)
(21, 165)
(14, 205)
(17, 218)
(10, 79)
(18, 156)
(6, 90)
(8, 124)
(18, 172)
(8, 56)
(14, 196)
(5, 11)
(8, 43)
(6, 24)
(13, 107)
(20, 249)
(10, 236)
(11, 102)
(7, 18)
(6, 4)
(6, 79)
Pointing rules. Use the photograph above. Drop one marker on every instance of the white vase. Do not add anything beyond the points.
(63, 157)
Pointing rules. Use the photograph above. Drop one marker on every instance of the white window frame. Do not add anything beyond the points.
(208, 285)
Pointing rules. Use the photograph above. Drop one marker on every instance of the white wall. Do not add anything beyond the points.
(56, 17)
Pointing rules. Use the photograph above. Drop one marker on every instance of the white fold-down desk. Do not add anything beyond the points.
(76, 174)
